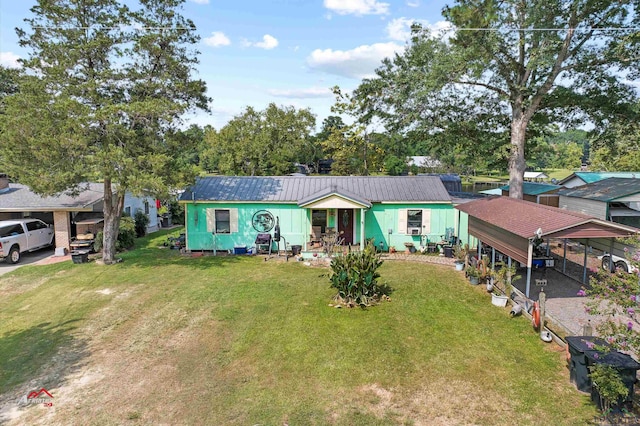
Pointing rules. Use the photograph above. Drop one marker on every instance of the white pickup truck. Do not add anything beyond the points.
(22, 235)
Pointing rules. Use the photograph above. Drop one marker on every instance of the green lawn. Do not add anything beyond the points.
(162, 338)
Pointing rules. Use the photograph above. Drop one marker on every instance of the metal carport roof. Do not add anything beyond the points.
(510, 225)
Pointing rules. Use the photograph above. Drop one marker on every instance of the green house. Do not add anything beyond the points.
(228, 212)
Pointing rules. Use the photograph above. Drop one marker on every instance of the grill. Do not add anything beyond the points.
(263, 243)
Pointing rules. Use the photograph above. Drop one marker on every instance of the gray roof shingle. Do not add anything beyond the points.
(19, 197)
(290, 189)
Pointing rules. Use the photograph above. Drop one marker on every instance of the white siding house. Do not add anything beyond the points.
(147, 205)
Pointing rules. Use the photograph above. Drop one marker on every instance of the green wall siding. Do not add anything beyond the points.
(295, 224)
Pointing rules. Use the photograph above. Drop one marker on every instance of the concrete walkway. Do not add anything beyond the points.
(26, 259)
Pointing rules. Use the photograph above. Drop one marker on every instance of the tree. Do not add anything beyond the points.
(261, 143)
(617, 148)
(510, 66)
(104, 87)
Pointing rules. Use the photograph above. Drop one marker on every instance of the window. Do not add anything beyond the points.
(414, 221)
(34, 226)
(146, 207)
(319, 218)
(11, 230)
(223, 222)
(414, 218)
(127, 211)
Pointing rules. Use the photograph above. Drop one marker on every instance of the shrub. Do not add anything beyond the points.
(355, 277)
(176, 210)
(141, 222)
(126, 235)
(608, 382)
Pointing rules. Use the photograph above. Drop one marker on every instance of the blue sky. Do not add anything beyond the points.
(290, 52)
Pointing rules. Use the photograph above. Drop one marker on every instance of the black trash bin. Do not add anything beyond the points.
(295, 250)
(626, 366)
(448, 251)
(579, 347)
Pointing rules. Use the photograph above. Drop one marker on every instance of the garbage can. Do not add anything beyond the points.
(626, 366)
(295, 250)
(448, 251)
(579, 347)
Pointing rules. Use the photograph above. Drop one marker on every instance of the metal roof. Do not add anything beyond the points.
(535, 175)
(604, 190)
(523, 218)
(293, 189)
(19, 197)
(535, 188)
(590, 177)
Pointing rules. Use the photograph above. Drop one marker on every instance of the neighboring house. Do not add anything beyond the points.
(70, 215)
(18, 201)
(424, 162)
(535, 176)
(451, 181)
(224, 212)
(583, 178)
(145, 204)
(539, 193)
(613, 199)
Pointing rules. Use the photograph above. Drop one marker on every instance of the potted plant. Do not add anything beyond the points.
(460, 253)
(502, 276)
(474, 274)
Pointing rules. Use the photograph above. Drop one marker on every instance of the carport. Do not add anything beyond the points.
(514, 227)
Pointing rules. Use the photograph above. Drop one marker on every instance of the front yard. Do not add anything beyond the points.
(166, 339)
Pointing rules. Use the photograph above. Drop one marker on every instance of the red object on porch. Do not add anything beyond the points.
(158, 205)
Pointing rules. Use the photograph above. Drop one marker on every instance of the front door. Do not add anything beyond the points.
(345, 224)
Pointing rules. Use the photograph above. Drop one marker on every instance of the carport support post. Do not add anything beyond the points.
(362, 233)
(564, 257)
(611, 268)
(529, 262)
(584, 268)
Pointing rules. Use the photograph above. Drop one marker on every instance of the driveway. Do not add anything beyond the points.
(26, 259)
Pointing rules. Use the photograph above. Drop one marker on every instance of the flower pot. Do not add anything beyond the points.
(499, 300)
(459, 266)
(474, 280)
(489, 287)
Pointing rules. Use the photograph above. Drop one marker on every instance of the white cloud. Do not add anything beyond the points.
(9, 60)
(357, 7)
(268, 42)
(400, 28)
(415, 3)
(312, 92)
(217, 39)
(359, 63)
(201, 1)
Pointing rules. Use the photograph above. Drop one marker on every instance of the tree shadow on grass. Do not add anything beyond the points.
(39, 357)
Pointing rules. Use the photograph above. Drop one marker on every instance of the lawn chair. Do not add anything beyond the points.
(316, 235)
(263, 243)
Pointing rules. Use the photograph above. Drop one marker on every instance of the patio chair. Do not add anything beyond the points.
(316, 234)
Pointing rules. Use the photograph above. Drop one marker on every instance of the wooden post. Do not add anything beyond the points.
(542, 299)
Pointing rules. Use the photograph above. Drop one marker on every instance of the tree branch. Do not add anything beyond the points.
(485, 85)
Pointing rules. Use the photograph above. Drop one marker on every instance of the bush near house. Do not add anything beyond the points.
(141, 223)
(126, 235)
(356, 278)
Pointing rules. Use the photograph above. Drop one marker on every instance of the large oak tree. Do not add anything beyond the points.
(510, 67)
(105, 85)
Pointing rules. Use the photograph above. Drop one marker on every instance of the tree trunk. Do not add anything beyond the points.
(517, 164)
(112, 209)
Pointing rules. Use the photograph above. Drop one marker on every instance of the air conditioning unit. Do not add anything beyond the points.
(413, 231)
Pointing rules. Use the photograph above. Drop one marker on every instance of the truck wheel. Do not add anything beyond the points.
(605, 263)
(14, 255)
(622, 266)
